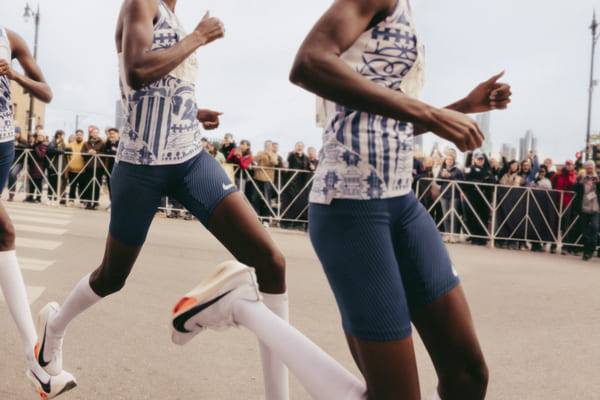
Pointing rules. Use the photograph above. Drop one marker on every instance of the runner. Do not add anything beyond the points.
(12, 46)
(160, 154)
(381, 251)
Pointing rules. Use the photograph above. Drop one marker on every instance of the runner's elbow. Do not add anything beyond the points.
(136, 78)
(306, 65)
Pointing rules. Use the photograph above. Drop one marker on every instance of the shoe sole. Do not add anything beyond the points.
(205, 292)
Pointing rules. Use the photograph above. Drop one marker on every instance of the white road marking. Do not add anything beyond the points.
(40, 214)
(39, 229)
(37, 243)
(33, 293)
(39, 220)
(37, 209)
(34, 264)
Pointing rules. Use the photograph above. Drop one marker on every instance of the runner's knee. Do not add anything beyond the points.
(470, 378)
(106, 282)
(270, 268)
(7, 236)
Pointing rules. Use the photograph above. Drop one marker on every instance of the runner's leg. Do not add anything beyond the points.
(438, 306)
(353, 240)
(210, 196)
(131, 217)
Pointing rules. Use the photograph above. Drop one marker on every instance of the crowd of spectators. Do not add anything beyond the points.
(467, 210)
(64, 162)
(77, 168)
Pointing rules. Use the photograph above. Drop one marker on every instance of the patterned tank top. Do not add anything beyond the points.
(7, 125)
(367, 156)
(161, 126)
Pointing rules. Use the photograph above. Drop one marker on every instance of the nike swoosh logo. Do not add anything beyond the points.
(43, 363)
(227, 187)
(45, 386)
(179, 322)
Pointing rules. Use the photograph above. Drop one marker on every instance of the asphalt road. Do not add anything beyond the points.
(538, 316)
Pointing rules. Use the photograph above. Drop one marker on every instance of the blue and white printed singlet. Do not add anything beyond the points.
(161, 125)
(366, 156)
(7, 124)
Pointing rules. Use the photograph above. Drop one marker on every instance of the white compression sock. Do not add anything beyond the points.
(277, 383)
(322, 376)
(436, 396)
(15, 294)
(80, 299)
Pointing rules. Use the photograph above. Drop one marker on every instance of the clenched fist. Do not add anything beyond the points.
(210, 29)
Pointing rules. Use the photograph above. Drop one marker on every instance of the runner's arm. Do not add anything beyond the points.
(318, 68)
(144, 66)
(33, 80)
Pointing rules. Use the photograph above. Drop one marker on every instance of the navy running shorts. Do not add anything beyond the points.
(7, 156)
(199, 184)
(382, 258)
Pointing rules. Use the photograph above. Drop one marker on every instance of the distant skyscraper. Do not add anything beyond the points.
(526, 144)
(484, 122)
(508, 151)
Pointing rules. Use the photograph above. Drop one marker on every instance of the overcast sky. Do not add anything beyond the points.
(544, 45)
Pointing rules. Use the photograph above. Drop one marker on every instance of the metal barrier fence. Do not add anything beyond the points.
(489, 213)
(501, 214)
(281, 197)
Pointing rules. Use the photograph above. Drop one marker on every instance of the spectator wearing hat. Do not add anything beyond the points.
(586, 205)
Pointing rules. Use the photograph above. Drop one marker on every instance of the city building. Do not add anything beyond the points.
(20, 106)
(526, 144)
(484, 122)
(508, 151)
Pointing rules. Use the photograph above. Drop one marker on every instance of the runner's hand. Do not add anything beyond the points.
(489, 95)
(457, 128)
(209, 119)
(6, 69)
(210, 29)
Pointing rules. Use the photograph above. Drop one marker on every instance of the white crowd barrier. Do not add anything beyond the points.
(493, 214)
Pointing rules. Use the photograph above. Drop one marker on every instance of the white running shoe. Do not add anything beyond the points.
(210, 304)
(49, 348)
(47, 386)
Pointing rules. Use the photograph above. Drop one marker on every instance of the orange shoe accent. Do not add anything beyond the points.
(43, 395)
(36, 351)
(184, 304)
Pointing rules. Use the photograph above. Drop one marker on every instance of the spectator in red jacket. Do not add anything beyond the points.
(565, 181)
(241, 155)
